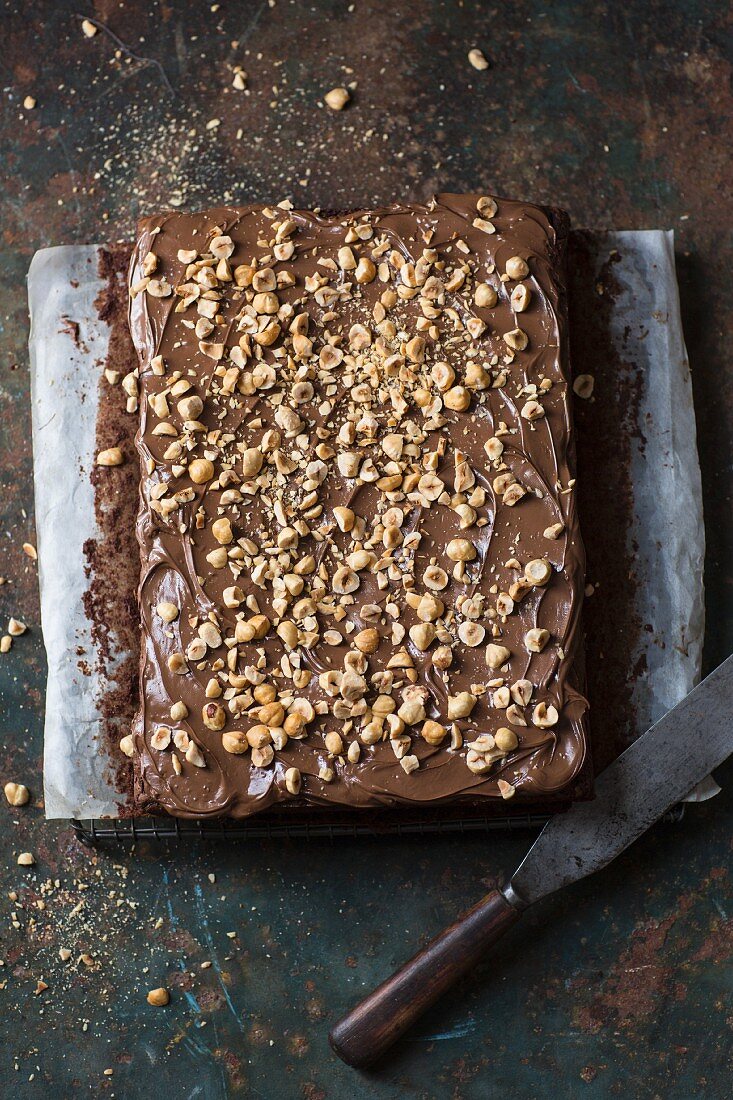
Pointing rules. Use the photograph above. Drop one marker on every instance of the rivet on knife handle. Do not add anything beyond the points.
(370, 1028)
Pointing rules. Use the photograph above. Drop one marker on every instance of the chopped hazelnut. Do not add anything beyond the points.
(460, 550)
(486, 206)
(436, 579)
(366, 271)
(161, 739)
(409, 764)
(201, 470)
(458, 399)
(485, 296)
(16, 794)
(412, 711)
(583, 386)
(532, 410)
(213, 716)
(517, 268)
(538, 571)
(334, 743)
(521, 691)
(158, 997)
(505, 739)
(367, 641)
(520, 298)
(545, 715)
(501, 698)
(113, 456)
(293, 781)
(461, 705)
(195, 756)
(477, 59)
(433, 732)
(422, 635)
(190, 408)
(497, 655)
(506, 790)
(471, 634)
(221, 529)
(536, 639)
(345, 518)
(429, 608)
(337, 98)
(168, 612)
(517, 339)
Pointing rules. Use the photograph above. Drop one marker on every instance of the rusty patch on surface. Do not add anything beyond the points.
(639, 981)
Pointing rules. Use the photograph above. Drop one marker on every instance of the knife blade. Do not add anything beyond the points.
(657, 771)
(654, 773)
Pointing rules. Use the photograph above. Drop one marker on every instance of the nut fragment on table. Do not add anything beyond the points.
(158, 997)
(17, 794)
(477, 59)
(337, 98)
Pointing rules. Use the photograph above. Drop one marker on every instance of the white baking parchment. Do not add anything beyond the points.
(667, 528)
(63, 283)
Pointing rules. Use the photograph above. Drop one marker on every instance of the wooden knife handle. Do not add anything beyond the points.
(369, 1030)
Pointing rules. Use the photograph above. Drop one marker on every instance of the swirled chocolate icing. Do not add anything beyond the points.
(401, 366)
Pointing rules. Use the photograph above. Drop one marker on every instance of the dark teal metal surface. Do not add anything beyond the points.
(622, 986)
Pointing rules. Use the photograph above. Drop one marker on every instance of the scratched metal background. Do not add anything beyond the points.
(623, 114)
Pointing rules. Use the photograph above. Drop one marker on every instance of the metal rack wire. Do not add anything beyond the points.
(130, 830)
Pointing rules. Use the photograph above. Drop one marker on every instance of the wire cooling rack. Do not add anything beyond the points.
(130, 830)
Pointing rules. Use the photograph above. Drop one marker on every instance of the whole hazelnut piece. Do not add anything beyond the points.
(158, 997)
(17, 794)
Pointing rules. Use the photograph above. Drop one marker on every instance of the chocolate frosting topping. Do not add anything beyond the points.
(362, 571)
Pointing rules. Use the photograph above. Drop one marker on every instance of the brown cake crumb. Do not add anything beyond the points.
(112, 559)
